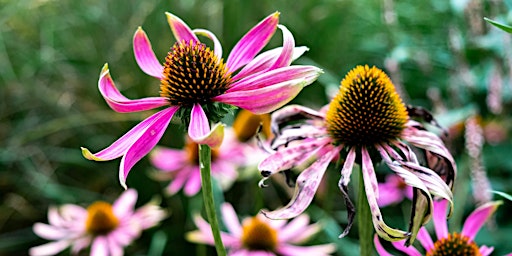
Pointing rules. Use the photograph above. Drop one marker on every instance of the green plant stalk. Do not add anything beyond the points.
(205, 158)
(364, 220)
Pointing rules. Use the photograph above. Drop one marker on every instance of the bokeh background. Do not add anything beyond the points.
(440, 54)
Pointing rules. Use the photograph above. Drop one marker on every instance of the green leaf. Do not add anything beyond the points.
(504, 27)
(503, 194)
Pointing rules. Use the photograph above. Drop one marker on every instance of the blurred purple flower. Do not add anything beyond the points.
(366, 122)
(449, 243)
(196, 84)
(393, 191)
(258, 236)
(182, 166)
(107, 228)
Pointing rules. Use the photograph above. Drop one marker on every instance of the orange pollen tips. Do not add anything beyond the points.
(367, 109)
(258, 235)
(193, 74)
(100, 218)
(454, 245)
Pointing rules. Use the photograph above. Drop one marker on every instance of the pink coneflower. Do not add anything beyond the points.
(106, 228)
(449, 243)
(259, 236)
(366, 122)
(182, 166)
(393, 191)
(196, 84)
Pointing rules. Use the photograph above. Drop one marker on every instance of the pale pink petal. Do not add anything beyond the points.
(145, 142)
(145, 56)
(346, 171)
(265, 60)
(267, 99)
(167, 159)
(49, 232)
(477, 219)
(80, 244)
(119, 102)
(298, 231)
(199, 128)
(486, 251)
(306, 185)
(125, 204)
(285, 58)
(99, 246)
(217, 47)
(181, 177)
(180, 29)
(193, 184)
(378, 246)
(316, 250)
(252, 42)
(425, 239)
(440, 223)
(150, 215)
(230, 219)
(204, 234)
(409, 250)
(114, 248)
(276, 76)
(52, 248)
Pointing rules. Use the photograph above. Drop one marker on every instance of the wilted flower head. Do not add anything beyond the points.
(260, 236)
(107, 228)
(182, 166)
(365, 123)
(449, 243)
(201, 88)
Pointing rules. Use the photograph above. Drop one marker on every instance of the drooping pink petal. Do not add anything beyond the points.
(145, 56)
(440, 224)
(477, 219)
(306, 185)
(285, 58)
(486, 251)
(125, 204)
(252, 42)
(180, 29)
(409, 250)
(265, 60)
(425, 239)
(371, 189)
(230, 219)
(119, 102)
(276, 76)
(120, 146)
(80, 244)
(217, 47)
(145, 142)
(114, 248)
(193, 184)
(317, 250)
(378, 246)
(99, 246)
(179, 180)
(298, 231)
(52, 248)
(346, 171)
(199, 128)
(264, 100)
(49, 232)
(167, 159)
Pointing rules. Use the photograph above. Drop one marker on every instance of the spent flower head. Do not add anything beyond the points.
(107, 228)
(365, 123)
(200, 87)
(258, 235)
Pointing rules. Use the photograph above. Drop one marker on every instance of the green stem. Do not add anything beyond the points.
(205, 158)
(364, 220)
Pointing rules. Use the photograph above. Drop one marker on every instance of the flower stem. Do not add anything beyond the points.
(205, 159)
(364, 220)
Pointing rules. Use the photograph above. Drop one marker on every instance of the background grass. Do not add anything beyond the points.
(440, 54)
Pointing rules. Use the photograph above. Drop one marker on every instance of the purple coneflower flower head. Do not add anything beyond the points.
(393, 191)
(366, 122)
(449, 243)
(182, 166)
(200, 88)
(261, 236)
(107, 228)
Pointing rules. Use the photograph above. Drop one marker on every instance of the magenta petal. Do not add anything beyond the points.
(145, 56)
(440, 224)
(477, 218)
(121, 145)
(180, 29)
(199, 129)
(378, 246)
(305, 189)
(285, 58)
(252, 42)
(408, 250)
(425, 239)
(119, 102)
(217, 47)
(143, 144)
(264, 100)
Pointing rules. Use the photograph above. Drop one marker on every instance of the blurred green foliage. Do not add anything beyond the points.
(441, 55)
